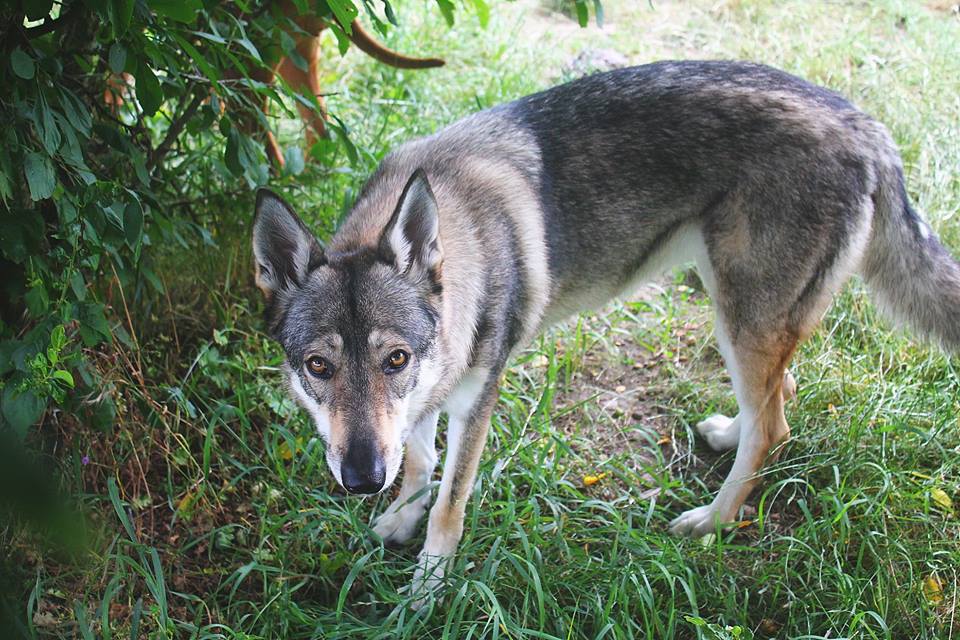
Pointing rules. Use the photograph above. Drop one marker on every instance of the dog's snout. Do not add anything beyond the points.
(363, 470)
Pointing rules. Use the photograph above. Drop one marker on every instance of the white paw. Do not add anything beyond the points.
(428, 578)
(720, 432)
(695, 522)
(397, 526)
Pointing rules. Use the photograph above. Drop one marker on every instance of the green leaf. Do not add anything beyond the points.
(289, 46)
(94, 327)
(140, 167)
(37, 299)
(64, 376)
(231, 154)
(37, 9)
(40, 175)
(78, 286)
(343, 41)
(483, 12)
(149, 92)
(133, 223)
(47, 128)
(583, 14)
(22, 64)
(342, 134)
(6, 176)
(21, 409)
(7, 347)
(21, 235)
(294, 160)
(598, 12)
(135, 619)
(446, 8)
(117, 57)
(76, 112)
(251, 49)
(58, 339)
(120, 12)
(119, 508)
(179, 10)
(388, 11)
(70, 150)
(205, 67)
(345, 12)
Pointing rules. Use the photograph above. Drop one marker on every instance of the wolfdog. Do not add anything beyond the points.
(466, 243)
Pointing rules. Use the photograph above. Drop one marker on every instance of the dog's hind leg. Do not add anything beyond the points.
(757, 365)
(723, 433)
(399, 522)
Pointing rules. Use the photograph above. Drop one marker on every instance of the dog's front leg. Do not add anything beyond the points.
(399, 522)
(469, 408)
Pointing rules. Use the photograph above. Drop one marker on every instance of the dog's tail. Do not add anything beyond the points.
(366, 43)
(914, 278)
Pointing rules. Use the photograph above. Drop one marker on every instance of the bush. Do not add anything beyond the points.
(119, 116)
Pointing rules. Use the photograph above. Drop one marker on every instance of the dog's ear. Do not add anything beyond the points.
(284, 249)
(411, 239)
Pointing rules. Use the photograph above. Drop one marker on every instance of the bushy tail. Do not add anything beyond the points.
(913, 277)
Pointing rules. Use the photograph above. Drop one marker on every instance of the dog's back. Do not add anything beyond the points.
(772, 171)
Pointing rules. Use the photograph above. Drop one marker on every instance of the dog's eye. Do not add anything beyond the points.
(319, 367)
(396, 361)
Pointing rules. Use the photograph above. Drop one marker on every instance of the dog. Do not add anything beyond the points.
(465, 244)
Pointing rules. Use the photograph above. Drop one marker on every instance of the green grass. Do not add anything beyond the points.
(217, 517)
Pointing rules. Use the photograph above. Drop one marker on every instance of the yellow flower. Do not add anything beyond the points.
(589, 481)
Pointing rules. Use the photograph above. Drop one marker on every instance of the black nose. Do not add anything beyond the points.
(362, 470)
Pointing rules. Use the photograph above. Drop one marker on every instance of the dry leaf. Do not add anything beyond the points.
(284, 449)
(769, 627)
(941, 499)
(933, 589)
(183, 507)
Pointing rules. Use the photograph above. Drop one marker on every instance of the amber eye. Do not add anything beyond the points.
(396, 361)
(319, 367)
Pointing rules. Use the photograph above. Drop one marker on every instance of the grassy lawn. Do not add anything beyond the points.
(216, 515)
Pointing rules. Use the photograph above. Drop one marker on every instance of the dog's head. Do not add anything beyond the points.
(359, 329)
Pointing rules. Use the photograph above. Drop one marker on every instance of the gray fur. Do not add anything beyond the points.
(915, 279)
(525, 213)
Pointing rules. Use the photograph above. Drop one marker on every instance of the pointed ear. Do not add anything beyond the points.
(411, 239)
(283, 248)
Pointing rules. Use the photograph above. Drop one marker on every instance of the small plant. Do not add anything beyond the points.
(712, 631)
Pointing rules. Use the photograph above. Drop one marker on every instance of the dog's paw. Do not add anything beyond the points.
(427, 579)
(720, 432)
(695, 522)
(399, 525)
